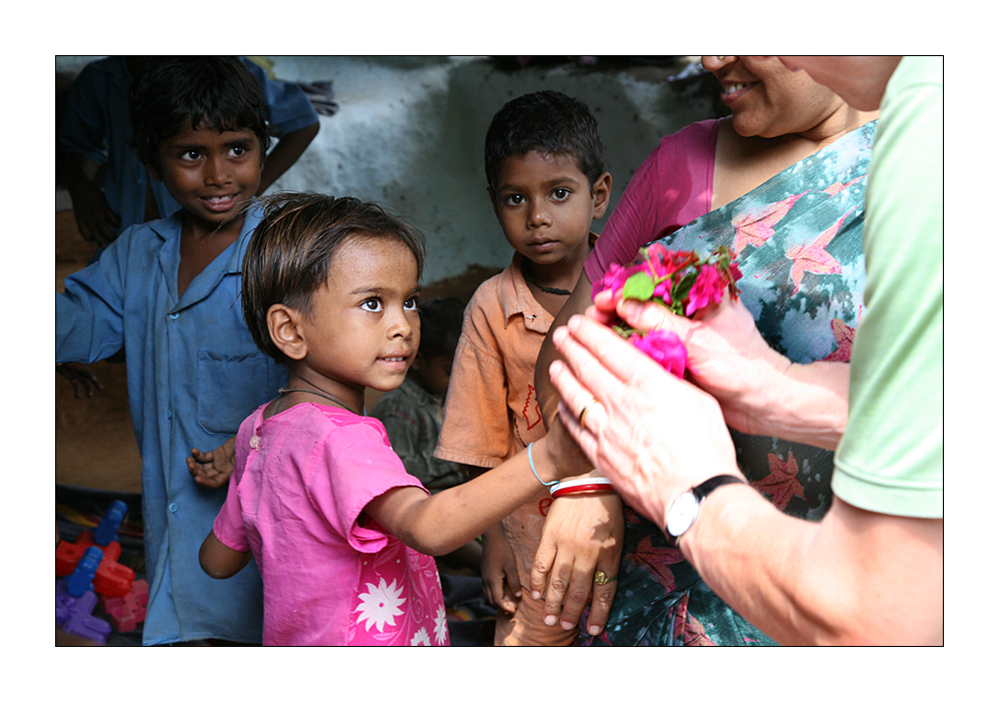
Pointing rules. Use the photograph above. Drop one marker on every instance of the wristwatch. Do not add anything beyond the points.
(684, 510)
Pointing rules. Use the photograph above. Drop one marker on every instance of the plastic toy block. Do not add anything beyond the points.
(128, 611)
(112, 579)
(75, 600)
(108, 527)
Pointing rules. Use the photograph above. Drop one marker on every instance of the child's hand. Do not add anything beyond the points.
(213, 469)
(83, 379)
(95, 219)
(501, 583)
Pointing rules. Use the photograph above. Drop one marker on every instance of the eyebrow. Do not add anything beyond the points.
(382, 291)
(554, 182)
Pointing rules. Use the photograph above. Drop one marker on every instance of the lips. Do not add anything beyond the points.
(219, 203)
(732, 92)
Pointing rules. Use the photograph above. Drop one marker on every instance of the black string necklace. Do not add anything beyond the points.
(320, 393)
(543, 288)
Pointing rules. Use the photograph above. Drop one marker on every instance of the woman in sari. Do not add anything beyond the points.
(781, 182)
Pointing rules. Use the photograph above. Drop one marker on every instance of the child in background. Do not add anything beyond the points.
(412, 413)
(166, 290)
(337, 526)
(546, 177)
(107, 180)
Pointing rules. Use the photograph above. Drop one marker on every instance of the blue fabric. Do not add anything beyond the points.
(194, 373)
(96, 125)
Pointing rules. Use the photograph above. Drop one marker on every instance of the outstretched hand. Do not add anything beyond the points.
(213, 469)
(95, 219)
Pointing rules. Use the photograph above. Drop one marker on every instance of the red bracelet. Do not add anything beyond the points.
(566, 488)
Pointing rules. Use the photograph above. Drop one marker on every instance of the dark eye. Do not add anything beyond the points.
(372, 304)
(561, 194)
(410, 304)
(513, 199)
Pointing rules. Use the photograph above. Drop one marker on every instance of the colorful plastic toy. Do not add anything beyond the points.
(128, 611)
(112, 579)
(75, 600)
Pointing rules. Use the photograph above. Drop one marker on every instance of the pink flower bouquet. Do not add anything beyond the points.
(679, 280)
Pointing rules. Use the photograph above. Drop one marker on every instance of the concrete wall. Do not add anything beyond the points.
(409, 134)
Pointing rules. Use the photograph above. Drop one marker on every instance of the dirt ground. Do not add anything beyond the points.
(95, 443)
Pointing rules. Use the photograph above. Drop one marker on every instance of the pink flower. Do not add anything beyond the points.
(615, 277)
(709, 287)
(664, 347)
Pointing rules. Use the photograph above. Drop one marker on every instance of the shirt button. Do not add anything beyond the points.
(253, 442)
(174, 315)
(172, 507)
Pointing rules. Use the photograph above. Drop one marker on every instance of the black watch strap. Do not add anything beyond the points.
(706, 487)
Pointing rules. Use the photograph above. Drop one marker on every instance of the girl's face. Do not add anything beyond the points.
(364, 329)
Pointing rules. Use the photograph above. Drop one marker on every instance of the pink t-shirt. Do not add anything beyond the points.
(302, 479)
(670, 189)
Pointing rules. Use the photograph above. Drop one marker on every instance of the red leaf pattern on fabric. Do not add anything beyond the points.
(844, 336)
(757, 227)
(781, 484)
(657, 560)
(687, 629)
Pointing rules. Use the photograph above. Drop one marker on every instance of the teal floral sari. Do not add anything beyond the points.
(798, 244)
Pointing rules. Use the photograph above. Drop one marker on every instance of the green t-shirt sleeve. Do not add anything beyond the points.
(891, 458)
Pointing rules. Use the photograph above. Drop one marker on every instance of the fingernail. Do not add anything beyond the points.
(593, 630)
(550, 620)
(631, 308)
(567, 625)
(518, 593)
(559, 335)
(536, 595)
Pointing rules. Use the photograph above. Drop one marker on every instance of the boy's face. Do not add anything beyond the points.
(545, 206)
(210, 174)
(363, 329)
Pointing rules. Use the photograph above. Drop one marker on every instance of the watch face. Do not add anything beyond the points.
(682, 513)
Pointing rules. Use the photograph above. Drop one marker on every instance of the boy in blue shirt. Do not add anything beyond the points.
(168, 291)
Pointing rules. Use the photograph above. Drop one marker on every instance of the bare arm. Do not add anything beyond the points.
(856, 577)
(439, 524)
(220, 561)
(290, 147)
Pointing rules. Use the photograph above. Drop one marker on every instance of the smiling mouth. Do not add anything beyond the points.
(219, 203)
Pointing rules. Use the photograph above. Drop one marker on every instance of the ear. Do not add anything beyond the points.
(493, 199)
(283, 326)
(154, 172)
(602, 194)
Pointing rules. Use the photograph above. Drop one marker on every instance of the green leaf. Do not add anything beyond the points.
(640, 287)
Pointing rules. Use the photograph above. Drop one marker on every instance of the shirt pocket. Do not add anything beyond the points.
(230, 387)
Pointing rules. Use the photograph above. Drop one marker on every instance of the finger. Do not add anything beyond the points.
(544, 557)
(555, 593)
(602, 359)
(600, 606)
(580, 588)
(647, 316)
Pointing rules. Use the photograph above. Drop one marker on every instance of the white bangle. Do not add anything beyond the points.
(589, 481)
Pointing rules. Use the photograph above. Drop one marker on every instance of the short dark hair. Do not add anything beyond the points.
(440, 326)
(549, 122)
(289, 254)
(172, 93)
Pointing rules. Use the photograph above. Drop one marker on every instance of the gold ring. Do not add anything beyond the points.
(602, 579)
(583, 413)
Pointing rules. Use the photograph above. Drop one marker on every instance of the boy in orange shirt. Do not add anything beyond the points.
(547, 182)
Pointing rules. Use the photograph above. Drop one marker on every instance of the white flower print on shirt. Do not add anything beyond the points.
(421, 638)
(380, 605)
(440, 627)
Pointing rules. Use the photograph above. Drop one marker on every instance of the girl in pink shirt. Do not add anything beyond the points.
(340, 532)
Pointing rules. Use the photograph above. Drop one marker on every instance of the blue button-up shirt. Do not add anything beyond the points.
(194, 373)
(96, 125)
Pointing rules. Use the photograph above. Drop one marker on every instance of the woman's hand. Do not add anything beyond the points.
(727, 356)
(213, 469)
(582, 534)
(654, 435)
(501, 583)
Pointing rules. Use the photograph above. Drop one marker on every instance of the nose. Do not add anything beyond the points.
(714, 63)
(400, 326)
(538, 214)
(217, 170)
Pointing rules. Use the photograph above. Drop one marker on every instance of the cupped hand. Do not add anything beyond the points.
(727, 356)
(501, 584)
(582, 534)
(653, 435)
(84, 380)
(213, 469)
